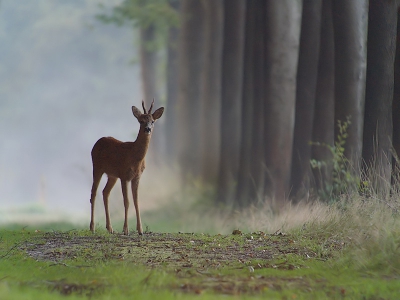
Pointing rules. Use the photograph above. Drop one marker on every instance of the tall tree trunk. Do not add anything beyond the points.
(283, 22)
(324, 124)
(307, 74)
(232, 79)
(171, 125)
(149, 62)
(395, 113)
(212, 90)
(191, 62)
(350, 34)
(245, 175)
(257, 161)
(378, 126)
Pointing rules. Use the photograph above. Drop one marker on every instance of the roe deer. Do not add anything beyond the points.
(125, 161)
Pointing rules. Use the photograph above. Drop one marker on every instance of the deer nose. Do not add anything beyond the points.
(147, 129)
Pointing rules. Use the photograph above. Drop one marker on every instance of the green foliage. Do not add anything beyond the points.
(160, 14)
(344, 180)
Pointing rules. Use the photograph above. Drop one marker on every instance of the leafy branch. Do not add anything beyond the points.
(159, 14)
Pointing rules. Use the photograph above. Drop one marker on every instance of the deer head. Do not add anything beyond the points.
(147, 119)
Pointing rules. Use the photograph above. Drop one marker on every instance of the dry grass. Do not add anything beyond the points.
(369, 226)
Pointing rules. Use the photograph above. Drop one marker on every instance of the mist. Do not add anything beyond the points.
(66, 80)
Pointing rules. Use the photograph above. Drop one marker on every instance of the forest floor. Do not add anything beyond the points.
(76, 264)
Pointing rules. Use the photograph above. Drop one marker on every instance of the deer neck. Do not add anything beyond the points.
(142, 144)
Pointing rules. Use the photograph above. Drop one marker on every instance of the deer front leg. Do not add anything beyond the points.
(96, 181)
(106, 192)
(135, 185)
(124, 185)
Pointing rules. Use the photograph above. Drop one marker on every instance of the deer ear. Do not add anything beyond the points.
(158, 113)
(136, 112)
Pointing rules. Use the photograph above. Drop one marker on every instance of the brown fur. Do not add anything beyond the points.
(125, 161)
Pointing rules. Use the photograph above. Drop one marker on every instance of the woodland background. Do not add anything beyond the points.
(273, 100)
(266, 101)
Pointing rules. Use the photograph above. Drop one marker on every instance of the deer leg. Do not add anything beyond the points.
(106, 192)
(124, 185)
(96, 181)
(135, 185)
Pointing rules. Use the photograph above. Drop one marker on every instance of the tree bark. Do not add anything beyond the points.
(350, 36)
(212, 90)
(257, 161)
(395, 113)
(245, 174)
(191, 62)
(232, 79)
(307, 74)
(283, 22)
(149, 62)
(378, 126)
(171, 125)
(324, 124)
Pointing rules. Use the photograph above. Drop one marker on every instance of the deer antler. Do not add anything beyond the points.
(151, 106)
(144, 109)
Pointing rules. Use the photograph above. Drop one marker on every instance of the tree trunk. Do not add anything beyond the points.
(283, 22)
(307, 74)
(191, 62)
(257, 161)
(245, 175)
(324, 124)
(212, 90)
(171, 125)
(378, 126)
(350, 35)
(232, 79)
(396, 114)
(149, 62)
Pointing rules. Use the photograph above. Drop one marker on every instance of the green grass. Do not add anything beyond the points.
(311, 262)
(350, 250)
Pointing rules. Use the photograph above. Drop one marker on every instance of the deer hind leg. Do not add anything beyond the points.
(135, 185)
(96, 181)
(106, 192)
(124, 186)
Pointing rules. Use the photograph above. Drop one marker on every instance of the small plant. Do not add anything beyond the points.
(343, 179)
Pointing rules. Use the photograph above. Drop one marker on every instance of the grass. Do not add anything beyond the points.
(349, 250)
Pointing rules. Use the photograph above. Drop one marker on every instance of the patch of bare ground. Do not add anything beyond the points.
(200, 262)
(175, 250)
(245, 285)
(66, 288)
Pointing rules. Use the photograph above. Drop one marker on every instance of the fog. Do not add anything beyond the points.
(65, 81)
